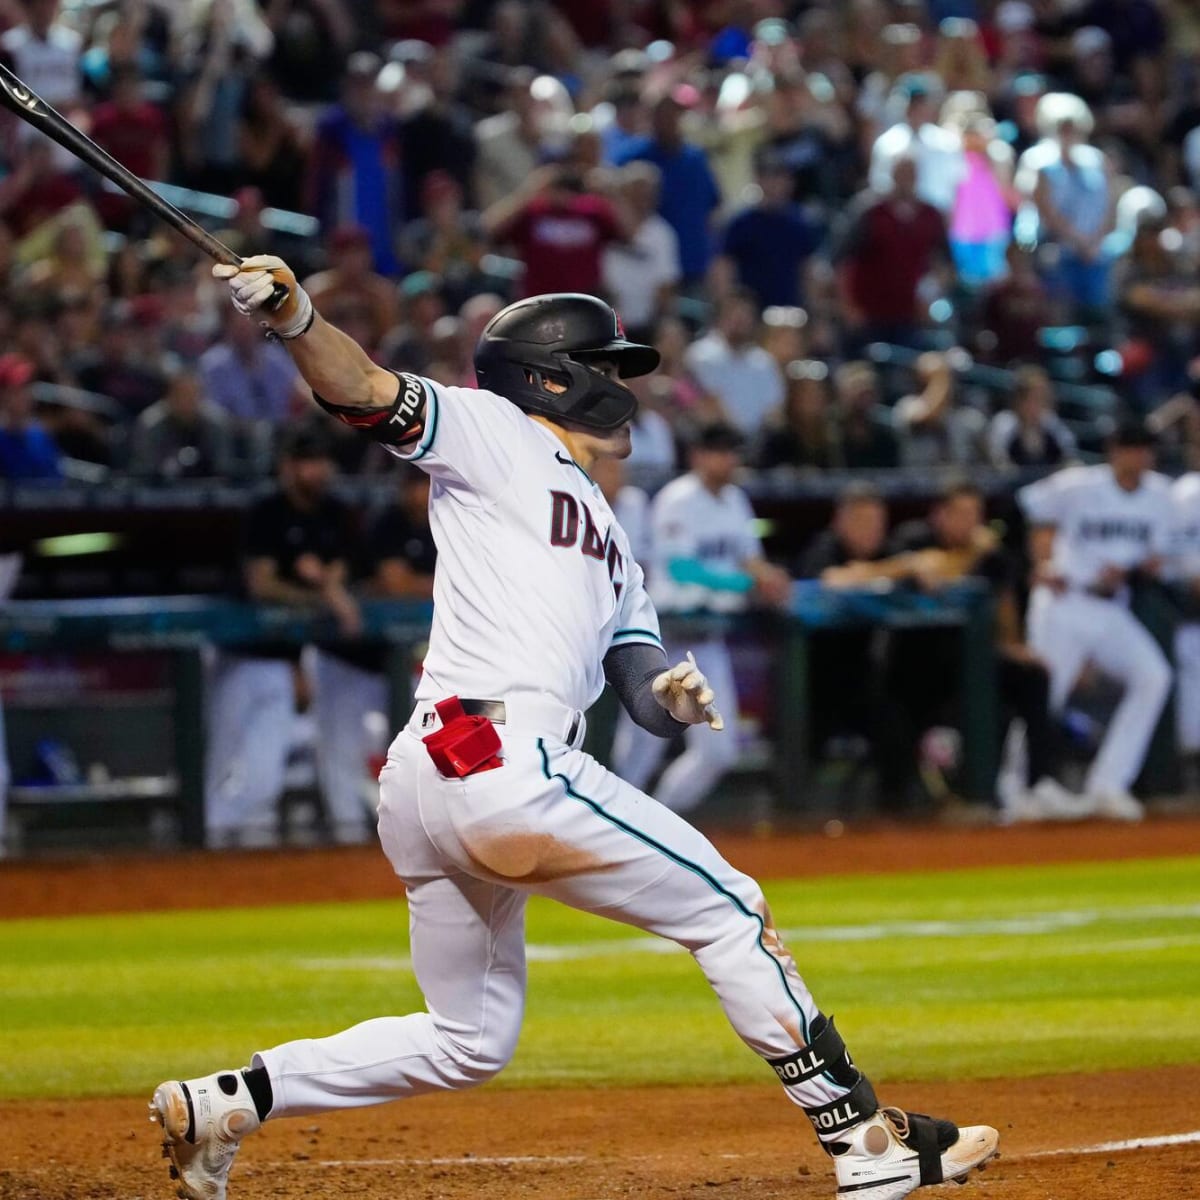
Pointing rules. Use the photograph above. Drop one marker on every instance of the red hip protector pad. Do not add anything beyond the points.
(464, 745)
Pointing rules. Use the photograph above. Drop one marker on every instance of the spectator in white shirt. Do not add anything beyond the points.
(1029, 433)
(46, 54)
(641, 274)
(937, 151)
(729, 364)
(508, 144)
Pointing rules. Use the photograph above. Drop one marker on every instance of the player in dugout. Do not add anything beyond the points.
(487, 797)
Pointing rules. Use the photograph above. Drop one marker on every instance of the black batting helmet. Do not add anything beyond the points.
(536, 354)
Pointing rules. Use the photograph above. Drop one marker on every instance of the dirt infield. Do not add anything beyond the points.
(1060, 1135)
(742, 1143)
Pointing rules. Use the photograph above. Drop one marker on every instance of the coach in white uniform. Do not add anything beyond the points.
(1092, 528)
(705, 558)
(487, 798)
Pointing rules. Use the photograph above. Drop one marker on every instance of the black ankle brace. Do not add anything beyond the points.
(826, 1055)
(846, 1111)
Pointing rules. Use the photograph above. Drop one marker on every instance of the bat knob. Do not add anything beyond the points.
(279, 294)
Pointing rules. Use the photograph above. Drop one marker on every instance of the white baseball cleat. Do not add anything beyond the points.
(894, 1153)
(1117, 806)
(203, 1123)
(1047, 800)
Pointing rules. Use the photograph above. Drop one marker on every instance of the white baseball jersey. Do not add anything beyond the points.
(1098, 523)
(535, 581)
(716, 532)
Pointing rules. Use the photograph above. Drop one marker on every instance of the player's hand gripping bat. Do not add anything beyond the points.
(32, 109)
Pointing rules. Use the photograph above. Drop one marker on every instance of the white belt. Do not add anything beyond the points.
(537, 716)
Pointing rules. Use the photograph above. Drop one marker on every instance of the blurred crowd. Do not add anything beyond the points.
(766, 190)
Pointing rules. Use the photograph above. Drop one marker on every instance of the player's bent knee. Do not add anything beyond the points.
(467, 1070)
(466, 1066)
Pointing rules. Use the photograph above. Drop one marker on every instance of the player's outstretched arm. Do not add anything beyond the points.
(336, 367)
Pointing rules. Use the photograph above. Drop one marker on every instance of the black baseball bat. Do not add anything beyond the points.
(32, 109)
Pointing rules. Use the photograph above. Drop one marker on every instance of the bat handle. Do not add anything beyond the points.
(278, 293)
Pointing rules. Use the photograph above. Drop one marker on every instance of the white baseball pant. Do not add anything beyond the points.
(345, 694)
(707, 754)
(251, 702)
(1074, 629)
(551, 822)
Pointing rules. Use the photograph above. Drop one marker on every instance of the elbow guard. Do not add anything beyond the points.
(398, 424)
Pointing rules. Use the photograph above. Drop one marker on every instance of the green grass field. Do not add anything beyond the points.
(968, 974)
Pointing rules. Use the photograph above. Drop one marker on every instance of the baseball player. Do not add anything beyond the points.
(10, 566)
(486, 798)
(706, 557)
(1092, 529)
(296, 546)
(1185, 496)
(5, 775)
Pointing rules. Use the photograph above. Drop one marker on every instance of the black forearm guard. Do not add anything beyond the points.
(630, 671)
(398, 424)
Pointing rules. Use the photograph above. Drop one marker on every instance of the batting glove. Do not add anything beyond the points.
(253, 284)
(684, 693)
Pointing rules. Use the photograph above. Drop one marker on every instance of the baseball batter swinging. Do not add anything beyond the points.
(487, 798)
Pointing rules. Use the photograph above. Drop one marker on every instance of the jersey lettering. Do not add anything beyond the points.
(564, 519)
(593, 544)
(719, 547)
(564, 533)
(1105, 528)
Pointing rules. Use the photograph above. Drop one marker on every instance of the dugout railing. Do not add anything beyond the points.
(124, 679)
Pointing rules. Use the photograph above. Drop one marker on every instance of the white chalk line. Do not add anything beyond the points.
(1149, 1143)
(470, 1160)
(1028, 925)
(466, 1160)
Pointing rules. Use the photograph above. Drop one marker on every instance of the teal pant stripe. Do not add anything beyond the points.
(687, 864)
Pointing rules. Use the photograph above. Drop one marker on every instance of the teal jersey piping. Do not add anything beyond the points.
(679, 860)
(649, 634)
(431, 425)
